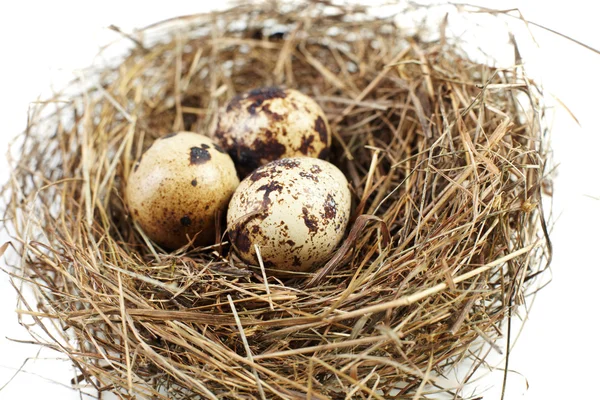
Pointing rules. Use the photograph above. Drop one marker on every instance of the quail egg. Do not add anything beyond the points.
(296, 211)
(269, 123)
(178, 188)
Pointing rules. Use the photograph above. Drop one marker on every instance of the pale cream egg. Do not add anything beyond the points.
(178, 188)
(296, 211)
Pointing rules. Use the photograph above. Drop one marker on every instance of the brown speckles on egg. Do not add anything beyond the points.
(294, 207)
(310, 220)
(306, 145)
(268, 188)
(258, 96)
(273, 115)
(329, 207)
(270, 123)
(199, 155)
(310, 176)
(266, 93)
(258, 174)
(287, 163)
(270, 148)
(194, 182)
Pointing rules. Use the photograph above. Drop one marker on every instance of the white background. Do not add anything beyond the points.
(557, 355)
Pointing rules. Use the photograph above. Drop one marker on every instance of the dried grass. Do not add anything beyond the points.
(446, 161)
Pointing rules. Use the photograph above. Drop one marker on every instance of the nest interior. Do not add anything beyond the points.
(446, 162)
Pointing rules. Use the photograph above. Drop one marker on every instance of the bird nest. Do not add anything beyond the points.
(445, 158)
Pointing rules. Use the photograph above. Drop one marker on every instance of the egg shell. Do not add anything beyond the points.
(269, 123)
(178, 187)
(295, 209)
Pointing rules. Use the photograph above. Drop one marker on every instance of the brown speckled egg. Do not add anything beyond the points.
(178, 187)
(295, 209)
(269, 123)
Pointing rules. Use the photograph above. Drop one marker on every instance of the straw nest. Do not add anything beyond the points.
(446, 161)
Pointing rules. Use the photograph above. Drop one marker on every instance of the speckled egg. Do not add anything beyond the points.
(178, 187)
(269, 123)
(295, 209)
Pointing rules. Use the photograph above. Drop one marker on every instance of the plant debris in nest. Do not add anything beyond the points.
(446, 162)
